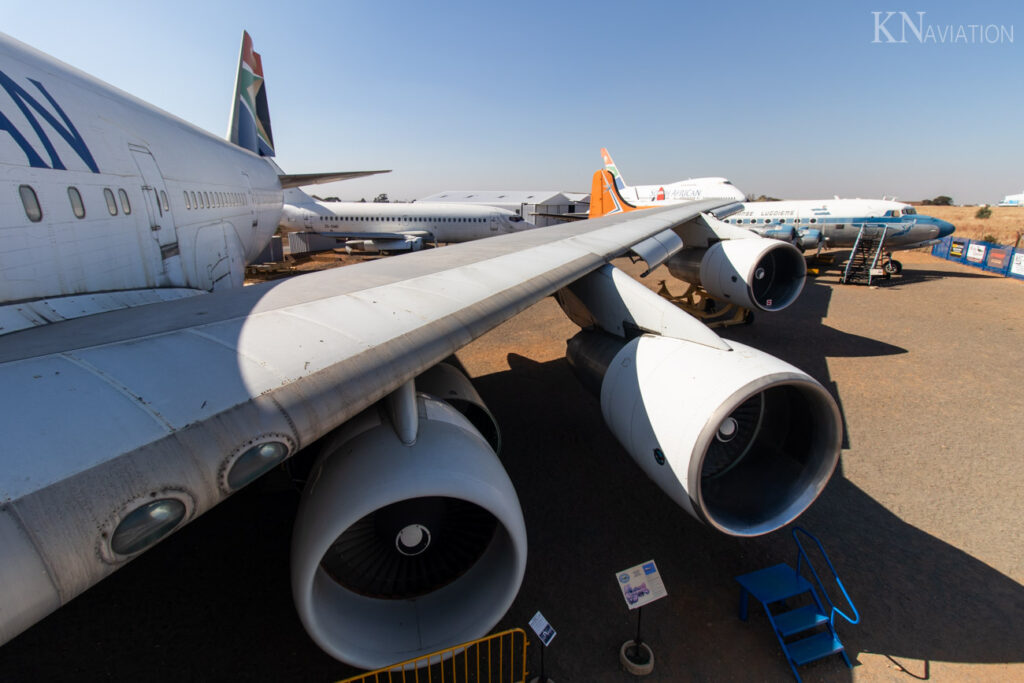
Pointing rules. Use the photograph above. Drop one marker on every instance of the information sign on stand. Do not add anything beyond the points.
(641, 584)
(542, 628)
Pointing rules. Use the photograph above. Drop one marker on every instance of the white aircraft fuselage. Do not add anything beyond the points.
(838, 221)
(432, 222)
(688, 190)
(163, 204)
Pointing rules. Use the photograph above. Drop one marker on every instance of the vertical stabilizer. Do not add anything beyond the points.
(609, 166)
(604, 196)
(249, 126)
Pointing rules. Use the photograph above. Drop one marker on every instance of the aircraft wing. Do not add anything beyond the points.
(302, 179)
(155, 402)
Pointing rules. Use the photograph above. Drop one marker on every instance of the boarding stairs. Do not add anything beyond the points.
(806, 632)
(864, 264)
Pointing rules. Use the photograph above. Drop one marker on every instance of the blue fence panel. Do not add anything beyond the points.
(994, 258)
(976, 253)
(1017, 264)
(998, 259)
(958, 249)
(941, 248)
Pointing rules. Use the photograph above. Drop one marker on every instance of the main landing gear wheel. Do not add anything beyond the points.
(893, 267)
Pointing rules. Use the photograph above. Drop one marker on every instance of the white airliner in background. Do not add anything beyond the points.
(396, 226)
(682, 190)
(823, 223)
(142, 384)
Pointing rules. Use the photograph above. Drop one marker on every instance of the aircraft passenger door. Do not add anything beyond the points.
(161, 222)
(494, 222)
(250, 200)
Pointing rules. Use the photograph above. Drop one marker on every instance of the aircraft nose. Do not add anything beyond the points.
(945, 227)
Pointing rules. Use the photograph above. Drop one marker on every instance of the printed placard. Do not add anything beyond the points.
(545, 631)
(976, 253)
(641, 584)
(1017, 267)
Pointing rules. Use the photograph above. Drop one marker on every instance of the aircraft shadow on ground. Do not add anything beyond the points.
(590, 512)
(589, 509)
(909, 276)
(797, 335)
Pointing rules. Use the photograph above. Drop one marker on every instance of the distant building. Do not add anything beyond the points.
(1013, 200)
(535, 206)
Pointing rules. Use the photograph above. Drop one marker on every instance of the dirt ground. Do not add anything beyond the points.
(922, 519)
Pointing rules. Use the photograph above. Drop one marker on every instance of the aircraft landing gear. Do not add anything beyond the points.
(892, 267)
(713, 313)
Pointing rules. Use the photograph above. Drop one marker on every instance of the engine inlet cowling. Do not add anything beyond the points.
(756, 273)
(742, 440)
(401, 550)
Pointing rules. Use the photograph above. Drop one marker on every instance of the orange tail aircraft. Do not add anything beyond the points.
(605, 198)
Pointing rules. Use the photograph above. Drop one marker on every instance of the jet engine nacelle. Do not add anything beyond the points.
(401, 550)
(740, 439)
(756, 273)
(809, 239)
(408, 243)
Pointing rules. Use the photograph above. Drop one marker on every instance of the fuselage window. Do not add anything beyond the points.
(108, 195)
(163, 201)
(206, 199)
(31, 203)
(188, 204)
(126, 205)
(76, 202)
(814, 220)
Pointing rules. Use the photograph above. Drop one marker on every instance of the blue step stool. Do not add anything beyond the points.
(777, 586)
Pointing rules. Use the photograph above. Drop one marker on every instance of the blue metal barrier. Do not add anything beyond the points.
(998, 259)
(941, 248)
(992, 258)
(1016, 264)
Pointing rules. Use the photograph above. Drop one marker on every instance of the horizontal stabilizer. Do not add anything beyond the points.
(564, 216)
(301, 179)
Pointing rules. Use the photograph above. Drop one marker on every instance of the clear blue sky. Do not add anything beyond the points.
(791, 99)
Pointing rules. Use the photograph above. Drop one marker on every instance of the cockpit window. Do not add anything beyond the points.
(727, 182)
(909, 211)
(515, 219)
(890, 213)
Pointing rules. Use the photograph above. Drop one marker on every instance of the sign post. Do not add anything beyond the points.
(640, 585)
(546, 633)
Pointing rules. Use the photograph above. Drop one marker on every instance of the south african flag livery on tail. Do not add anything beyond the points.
(250, 116)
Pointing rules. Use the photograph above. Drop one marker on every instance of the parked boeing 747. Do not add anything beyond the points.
(679, 191)
(142, 384)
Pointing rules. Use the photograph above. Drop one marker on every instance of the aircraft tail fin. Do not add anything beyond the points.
(249, 126)
(604, 196)
(609, 166)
